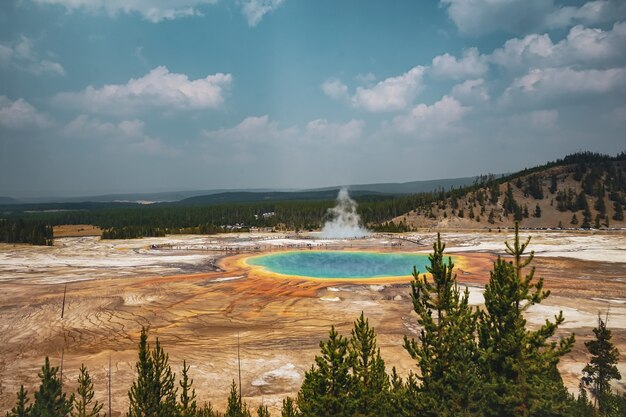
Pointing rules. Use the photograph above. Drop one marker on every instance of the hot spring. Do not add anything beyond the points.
(340, 264)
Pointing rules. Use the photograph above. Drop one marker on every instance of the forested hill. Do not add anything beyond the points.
(250, 197)
(583, 190)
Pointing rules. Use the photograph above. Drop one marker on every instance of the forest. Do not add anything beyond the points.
(469, 361)
(598, 175)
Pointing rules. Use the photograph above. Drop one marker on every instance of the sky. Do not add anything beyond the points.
(122, 96)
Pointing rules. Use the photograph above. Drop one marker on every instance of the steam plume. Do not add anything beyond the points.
(344, 221)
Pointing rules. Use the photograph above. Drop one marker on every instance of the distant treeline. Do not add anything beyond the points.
(21, 231)
(289, 215)
(468, 361)
(596, 171)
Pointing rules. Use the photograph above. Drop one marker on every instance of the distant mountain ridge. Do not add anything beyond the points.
(241, 195)
(9, 200)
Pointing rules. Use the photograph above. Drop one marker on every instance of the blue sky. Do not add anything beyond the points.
(103, 96)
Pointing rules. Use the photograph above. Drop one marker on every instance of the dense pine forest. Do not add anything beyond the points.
(25, 231)
(468, 362)
(583, 190)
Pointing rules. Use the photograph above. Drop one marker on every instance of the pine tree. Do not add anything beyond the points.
(207, 411)
(519, 366)
(574, 220)
(84, 405)
(262, 411)
(553, 185)
(187, 406)
(50, 401)
(327, 386)
(602, 368)
(236, 407)
(537, 211)
(586, 219)
(153, 393)
(371, 388)
(289, 408)
(446, 350)
(619, 211)
(21, 409)
(582, 407)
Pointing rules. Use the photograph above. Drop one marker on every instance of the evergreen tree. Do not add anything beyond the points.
(509, 204)
(494, 191)
(84, 405)
(236, 407)
(187, 406)
(600, 205)
(574, 220)
(601, 369)
(553, 185)
(537, 211)
(50, 401)
(21, 409)
(327, 386)
(153, 393)
(262, 411)
(519, 366)
(446, 350)
(619, 211)
(207, 411)
(399, 398)
(371, 388)
(586, 219)
(582, 407)
(289, 408)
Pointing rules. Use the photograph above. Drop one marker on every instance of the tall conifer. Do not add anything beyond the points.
(153, 393)
(371, 383)
(84, 404)
(328, 385)
(519, 366)
(446, 350)
(21, 409)
(236, 407)
(50, 400)
(601, 369)
(187, 406)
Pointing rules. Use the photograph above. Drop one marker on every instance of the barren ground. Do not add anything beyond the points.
(197, 309)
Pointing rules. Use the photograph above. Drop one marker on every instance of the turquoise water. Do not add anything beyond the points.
(336, 264)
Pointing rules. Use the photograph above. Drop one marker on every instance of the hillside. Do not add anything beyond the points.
(582, 191)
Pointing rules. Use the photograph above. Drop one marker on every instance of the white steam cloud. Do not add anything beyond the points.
(344, 221)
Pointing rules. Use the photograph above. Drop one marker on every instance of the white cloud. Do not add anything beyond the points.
(425, 121)
(590, 13)
(254, 10)
(550, 83)
(477, 17)
(390, 94)
(21, 55)
(21, 115)
(158, 88)
(127, 133)
(266, 132)
(321, 129)
(151, 10)
(471, 65)
(583, 47)
(252, 129)
(334, 88)
(471, 91)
